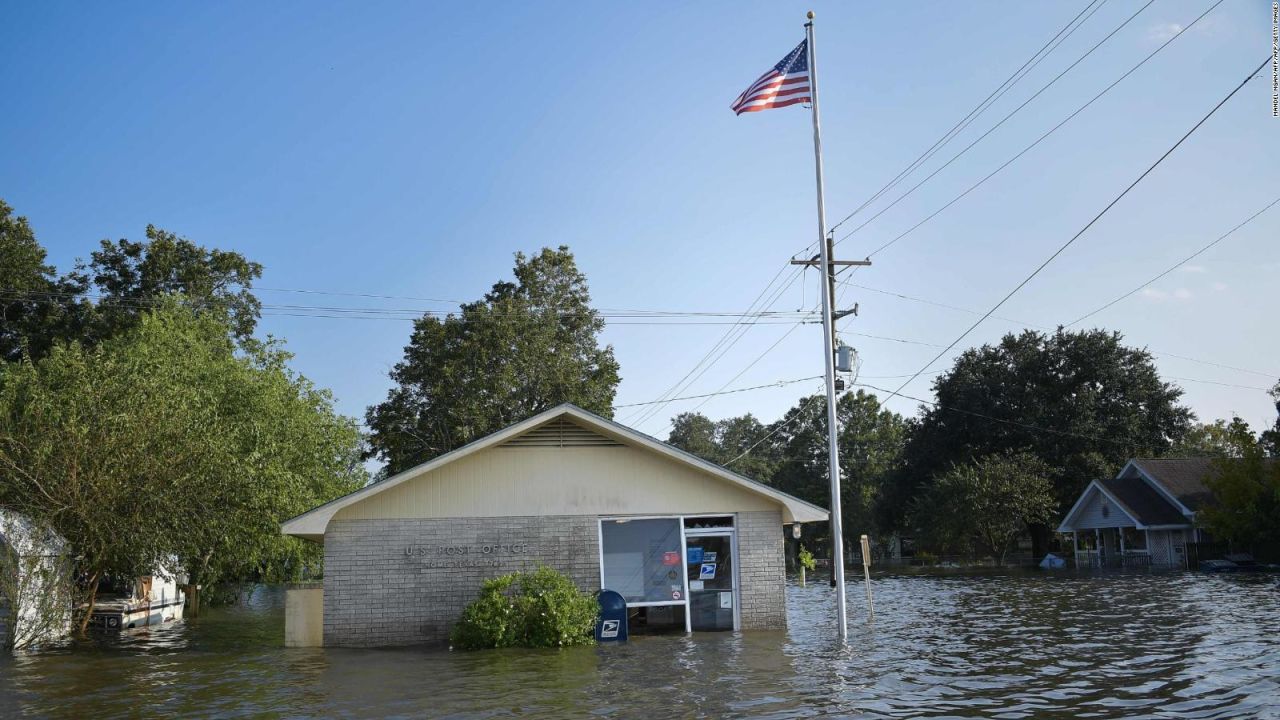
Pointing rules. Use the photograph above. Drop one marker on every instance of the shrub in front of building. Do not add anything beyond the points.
(541, 609)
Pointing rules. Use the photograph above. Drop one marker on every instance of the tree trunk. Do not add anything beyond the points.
(93, 597)
(197, 581)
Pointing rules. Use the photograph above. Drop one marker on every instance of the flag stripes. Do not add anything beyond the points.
(786, 83)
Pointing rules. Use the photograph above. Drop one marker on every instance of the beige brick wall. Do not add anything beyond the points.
(405, 582)
(377, 594)
(762, 571)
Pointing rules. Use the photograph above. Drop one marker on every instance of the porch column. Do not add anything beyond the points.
(1123, 560)
(1097, 544)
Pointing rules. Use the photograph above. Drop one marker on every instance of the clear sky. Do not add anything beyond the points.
(409, 149)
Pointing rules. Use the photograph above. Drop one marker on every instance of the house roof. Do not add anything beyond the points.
(312, 523)
(1142, 502)
(1183, 478)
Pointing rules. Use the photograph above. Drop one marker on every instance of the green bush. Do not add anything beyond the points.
(806, 559)
(538, 610)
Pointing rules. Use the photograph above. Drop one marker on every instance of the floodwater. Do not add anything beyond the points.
(1017, 645)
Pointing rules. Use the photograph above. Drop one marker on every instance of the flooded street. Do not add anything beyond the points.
(1001, 646)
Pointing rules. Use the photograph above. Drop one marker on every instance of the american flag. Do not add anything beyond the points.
(787, 83)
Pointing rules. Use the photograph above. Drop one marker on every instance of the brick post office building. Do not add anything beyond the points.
(691, 545)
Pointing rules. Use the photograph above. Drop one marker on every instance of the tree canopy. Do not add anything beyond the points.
(791, 454)
(529, 345)
(1246, 490)
(108, 294)
(1082, 402)
(165, 441)
(984, 505)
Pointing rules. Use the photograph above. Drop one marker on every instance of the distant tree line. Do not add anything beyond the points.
(1018, 430)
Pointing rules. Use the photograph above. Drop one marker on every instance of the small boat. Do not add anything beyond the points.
(147, 601)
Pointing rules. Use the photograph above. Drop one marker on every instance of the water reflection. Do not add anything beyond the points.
(1007, 646)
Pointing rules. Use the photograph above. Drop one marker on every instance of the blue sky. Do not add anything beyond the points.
(409, 149)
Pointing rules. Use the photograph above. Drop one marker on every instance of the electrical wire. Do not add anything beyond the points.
(1088, 225)
(1040, 139)
(981, 107)
(1176, 265)
(776, 384)
(1002, 121)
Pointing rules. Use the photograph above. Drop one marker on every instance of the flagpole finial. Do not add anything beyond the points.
(810, 15)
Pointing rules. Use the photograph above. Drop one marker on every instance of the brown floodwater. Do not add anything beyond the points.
(1013, 645)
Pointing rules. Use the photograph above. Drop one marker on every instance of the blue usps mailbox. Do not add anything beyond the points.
(612, 625)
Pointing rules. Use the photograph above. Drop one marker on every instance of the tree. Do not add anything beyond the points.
(1271, 438)
(526, 347)
(739, 443)
(129, 276)
(35, 306)
(1246, 492)
(1080, 401)
(164, 442)
(1213, 440)
(871, 440)
(108, 295)
(988, 504)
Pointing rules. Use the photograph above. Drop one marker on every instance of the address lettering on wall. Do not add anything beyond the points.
(462, 556)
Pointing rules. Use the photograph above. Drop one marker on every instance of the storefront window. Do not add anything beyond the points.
(643, 560)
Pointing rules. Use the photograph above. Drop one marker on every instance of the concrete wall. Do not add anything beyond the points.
(406, 581)
(761, 571)
(304, 614)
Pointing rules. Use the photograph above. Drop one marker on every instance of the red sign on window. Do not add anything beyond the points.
(671, 558)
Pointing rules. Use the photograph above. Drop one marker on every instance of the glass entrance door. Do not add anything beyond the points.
(709, 564)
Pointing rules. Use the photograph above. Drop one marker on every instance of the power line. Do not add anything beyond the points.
(1215, 382)
(1040, 139)
(777, 428)
(1088, 225)
(1176, 265)
(987, 417)
(1001, 122)
(1025, 323)
(719, 350)
(777, 384)
(981, 107)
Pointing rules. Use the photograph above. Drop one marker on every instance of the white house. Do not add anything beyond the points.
(1145, 516)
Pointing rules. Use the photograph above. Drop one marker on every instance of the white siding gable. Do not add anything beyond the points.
(1099, 511)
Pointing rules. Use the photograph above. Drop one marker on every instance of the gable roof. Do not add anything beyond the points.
(312, 524)
(1143, 503)
(1181, 478)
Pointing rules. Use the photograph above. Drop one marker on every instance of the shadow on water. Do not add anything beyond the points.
(1012, 645)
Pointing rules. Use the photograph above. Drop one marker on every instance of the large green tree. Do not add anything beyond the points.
(108, 294)
(1271, 438)
(166, 441)
(36, 307)
(1246, 492)
(742, 443)
(1082, 402)
(984, 505)
(870, 439)
(529, 345)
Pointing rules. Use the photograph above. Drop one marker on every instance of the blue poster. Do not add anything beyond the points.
(694, 555)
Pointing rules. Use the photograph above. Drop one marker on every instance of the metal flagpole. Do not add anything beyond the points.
(837, 531)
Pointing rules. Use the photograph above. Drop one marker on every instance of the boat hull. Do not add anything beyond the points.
(122, 616)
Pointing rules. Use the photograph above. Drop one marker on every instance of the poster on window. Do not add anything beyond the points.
(707, 571)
